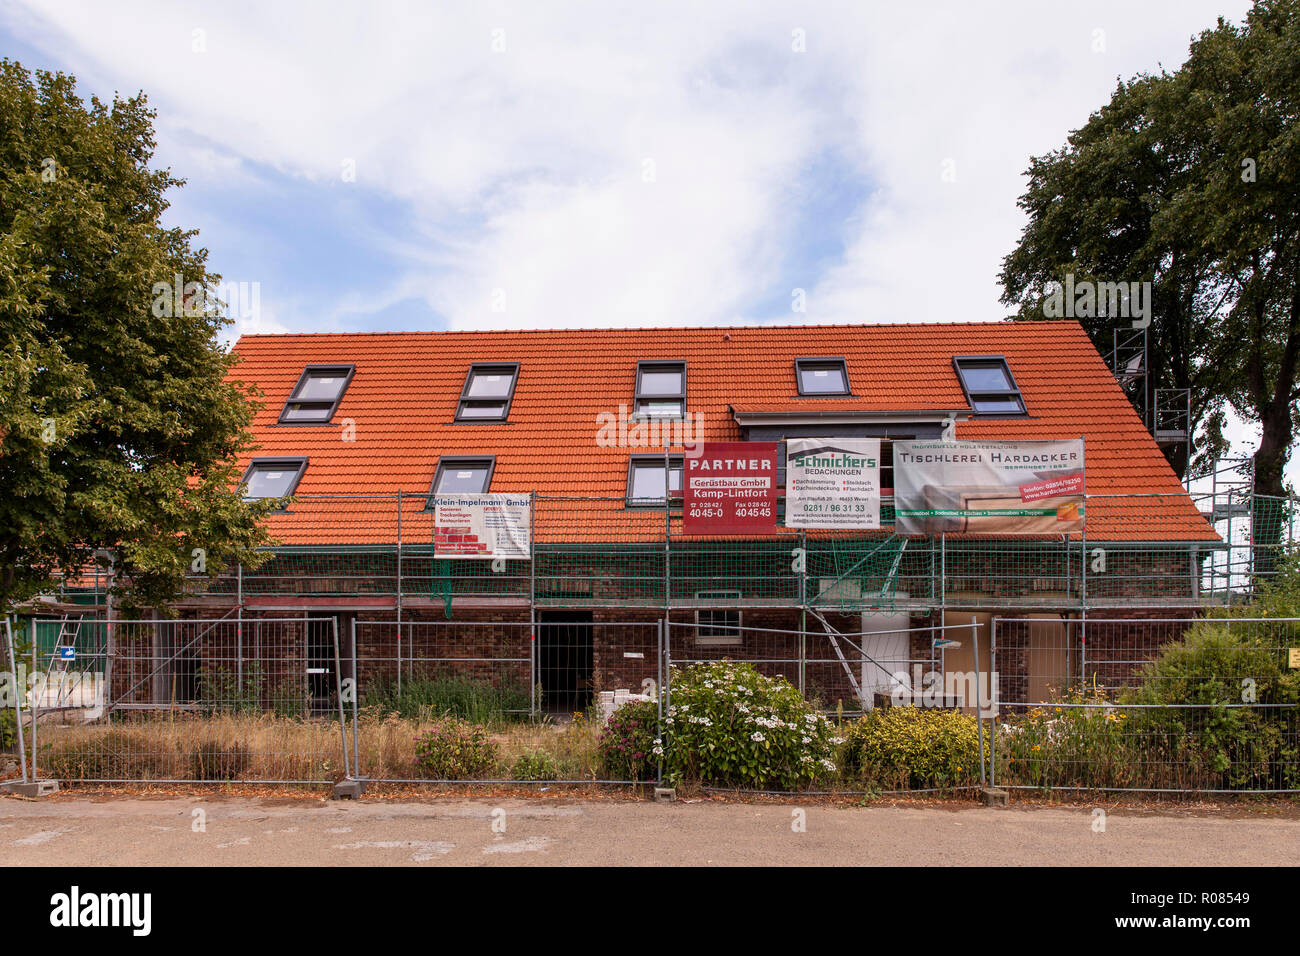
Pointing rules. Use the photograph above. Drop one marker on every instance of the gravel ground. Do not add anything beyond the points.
(200, 829)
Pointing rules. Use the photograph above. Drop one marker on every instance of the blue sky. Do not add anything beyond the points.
(542, 165)
(571, 164)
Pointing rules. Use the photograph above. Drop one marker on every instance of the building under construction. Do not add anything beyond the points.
(592, 428)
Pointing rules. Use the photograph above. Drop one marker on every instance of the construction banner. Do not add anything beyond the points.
(730, 488)
(482, 526)
(832, 483)
(1032, 487)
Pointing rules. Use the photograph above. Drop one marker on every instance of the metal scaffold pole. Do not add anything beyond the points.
(398, 646)
(803, 609)
(532, 604)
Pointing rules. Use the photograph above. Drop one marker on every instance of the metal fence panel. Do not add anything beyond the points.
(180, 700)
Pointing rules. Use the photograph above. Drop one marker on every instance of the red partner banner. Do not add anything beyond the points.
(730, 488)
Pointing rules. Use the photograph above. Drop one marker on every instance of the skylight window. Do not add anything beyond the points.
(488, 392)
(273, 478)
(316, 397)
(822, 376)
(660, 390)
(458, 475)
(990, 389)
(647, 476)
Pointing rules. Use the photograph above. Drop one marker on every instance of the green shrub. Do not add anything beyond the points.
(477, 701)
(8, 730)
(912, 748)
(535, 765)
(728, 725)
(214, 760)
(628, 742)
(455, 749)
(1221, 744)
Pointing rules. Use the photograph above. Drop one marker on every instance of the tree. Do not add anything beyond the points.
(1191, 180)
(119, 428)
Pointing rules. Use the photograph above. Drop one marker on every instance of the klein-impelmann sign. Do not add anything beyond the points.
(832, 483)
(482, 526)
(1029, 487)
(730, 488)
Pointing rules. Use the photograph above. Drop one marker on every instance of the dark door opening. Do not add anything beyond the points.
(320, 665)
(564, 660)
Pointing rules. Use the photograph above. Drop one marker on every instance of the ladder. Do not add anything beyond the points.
(62, 655)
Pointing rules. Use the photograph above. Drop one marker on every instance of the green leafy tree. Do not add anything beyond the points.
(1191, 180)
(119, 427)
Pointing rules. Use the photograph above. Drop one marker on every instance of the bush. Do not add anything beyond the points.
(628, 742)
(477, 701)
(214, 760)
(535, 765)
(911, 748)
(455, 749)
(1219, 744)
(8, 730)
(728, 725)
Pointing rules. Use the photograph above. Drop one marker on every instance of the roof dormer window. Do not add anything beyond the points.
(822, 376)
(660, 390)
(988, 384)
(316, 397)
(272, 477)
(488, 392)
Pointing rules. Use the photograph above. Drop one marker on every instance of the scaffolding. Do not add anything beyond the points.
(377, 552)
(1128, 363)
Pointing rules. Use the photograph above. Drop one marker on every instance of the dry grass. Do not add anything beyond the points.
(232, 747)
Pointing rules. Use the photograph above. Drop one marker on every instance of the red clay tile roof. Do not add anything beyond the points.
(404, 395)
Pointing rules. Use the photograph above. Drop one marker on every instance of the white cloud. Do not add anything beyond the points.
(525, 163)
(524, 167)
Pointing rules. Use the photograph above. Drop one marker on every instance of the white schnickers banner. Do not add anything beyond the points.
(832, 483)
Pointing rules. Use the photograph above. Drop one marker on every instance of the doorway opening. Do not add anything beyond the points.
(564, 660)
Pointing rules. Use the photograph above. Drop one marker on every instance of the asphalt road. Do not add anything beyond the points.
(72, 830)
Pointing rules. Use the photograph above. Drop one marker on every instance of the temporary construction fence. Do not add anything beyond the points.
(1151, 704)
(1157, 704)
(607, 551)
(166, 700)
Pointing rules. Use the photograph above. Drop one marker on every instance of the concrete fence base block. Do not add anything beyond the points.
(349, 789)
(31, 788)
(994, 797)
(665, 794)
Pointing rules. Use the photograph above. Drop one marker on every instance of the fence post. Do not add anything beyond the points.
(803, 611)
(356, 699)
(532, 605)
(995, 692)
(979, 704)
(338, 693)
(399, 589)
(659, 697)
(667, 686)
(20, 690)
